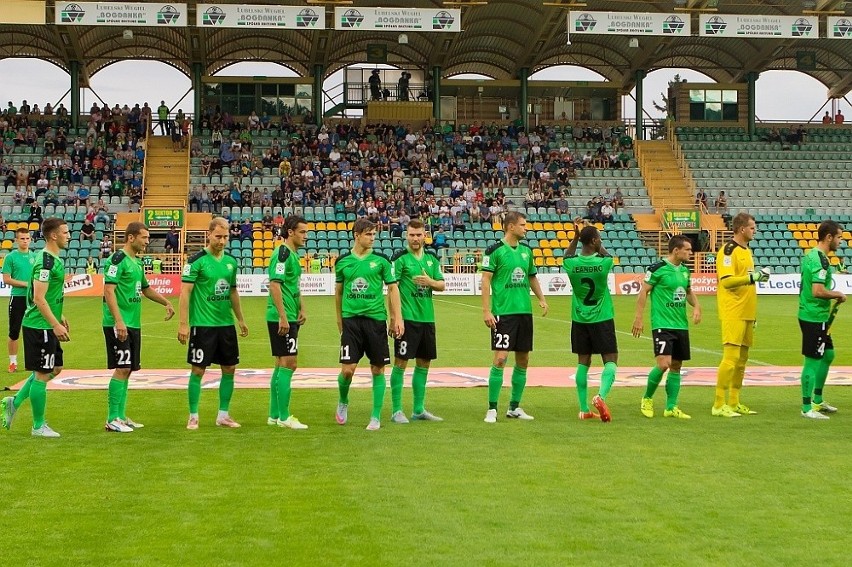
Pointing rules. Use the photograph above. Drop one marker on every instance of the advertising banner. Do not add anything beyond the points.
(167, 285)
(631, 284)
(153, 14)
(628, 23)
(758, 26)
(23, 12)
(839, 27)
(316, 284)
(459, 284)
(686, 221)
(397, 19)
(260, 16)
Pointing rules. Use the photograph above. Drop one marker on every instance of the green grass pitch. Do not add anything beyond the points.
(770, 489)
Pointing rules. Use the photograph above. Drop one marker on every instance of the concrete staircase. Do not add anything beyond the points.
(166, 174)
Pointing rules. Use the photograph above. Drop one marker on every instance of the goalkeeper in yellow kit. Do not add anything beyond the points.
(737, 299)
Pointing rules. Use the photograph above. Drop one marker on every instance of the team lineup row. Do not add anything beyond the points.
(209, 304)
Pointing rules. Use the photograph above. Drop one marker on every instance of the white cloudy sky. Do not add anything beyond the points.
(39, 82)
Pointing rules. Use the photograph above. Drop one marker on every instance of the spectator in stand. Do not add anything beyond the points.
(839, 118)
(562, 204)
(701, 199)
(51, 197)
(722, 203)
(71, 196)
(234, 230)
(267, 221)
(172, 244)
(617, 199)
(606, 212)
(87, 232)
(826, 119)
(83, 196)
(440, 239)
(35, 213)
(102, 212)
(246, 230)
(163, 119)
(106, 246)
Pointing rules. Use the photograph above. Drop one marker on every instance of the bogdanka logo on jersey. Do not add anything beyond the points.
(519, 279)
(137, 296)
(678, 298)
(221, 291)
(358, 290)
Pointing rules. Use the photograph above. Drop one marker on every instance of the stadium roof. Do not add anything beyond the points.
(499, 38)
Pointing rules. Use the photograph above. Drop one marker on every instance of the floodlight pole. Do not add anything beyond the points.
(319, 71)
(436, 93)
(523, 75)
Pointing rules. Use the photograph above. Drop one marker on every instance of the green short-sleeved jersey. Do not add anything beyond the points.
(19, 266)
(363, 279)
(589, 276)
(128, 278)
(210, 302)
(416, 300)
(815, 269)
(47, 269)
(285, 269)
(511, 269)
(670, 285)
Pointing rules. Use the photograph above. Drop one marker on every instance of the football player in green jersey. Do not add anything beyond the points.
(285, 315)
(668, 284)
(124, 286)
(17, 273)
(419, 273)
(592, 316)
(508, 275)
(208, 296)
(44, 328)
(815, 312)
(362, 317)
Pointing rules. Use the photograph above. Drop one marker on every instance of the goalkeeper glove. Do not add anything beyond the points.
(761, 275)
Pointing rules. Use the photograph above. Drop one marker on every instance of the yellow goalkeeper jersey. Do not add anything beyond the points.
(739, 303)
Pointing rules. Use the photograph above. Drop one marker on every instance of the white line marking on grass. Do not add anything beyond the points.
(554, 319)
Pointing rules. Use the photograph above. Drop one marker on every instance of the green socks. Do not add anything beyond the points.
(38, 399)
(519, 382)
(379, 386)
(418, 386)
(809, 372)
(343, 388)
(607, 379)
(822, 374)
(285, 376)
(397, 379)
(194, 392)
(116, 392)
(226, 391)
(582, 379)
(495, 383)
(122, 404)
(24, 392)
(273, 394)
(655, 376)
(672, 389)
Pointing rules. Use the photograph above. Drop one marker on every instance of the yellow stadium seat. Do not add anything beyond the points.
(537, 253)
(267, 235)
(257, 263)
(559, 261)
(543, 243)
(268, 244)
(835, 261)
(553, 243)
(33, 225)
(548, 226)
(13, 226)
(550, 261)
(616, 260)
(847, 235)
(7, 245)
(798, 235)
(812, 226)
(792, 226)
(257, 253)
(559, 226)
(497, 226)
(560, 234)
(539, 261)
(311, 226)
(548, 253)
(803, 244)
(267, 253)
(257, 225)
(321, 226)
(565, 243)
(812, 243)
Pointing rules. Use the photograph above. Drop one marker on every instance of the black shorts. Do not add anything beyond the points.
(513, 333)
(17, 308)
(671, 342)
(417, 342)
(594, 338)
(364, 336)
(213, 345)
(126, 353)
(815, 339)
(286, 345)
(42, 350)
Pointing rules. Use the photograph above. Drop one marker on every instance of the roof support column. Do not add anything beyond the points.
(523, 75)
(436, 93)
(751, 78)
(640, 111)
(197, 89)
(319, 71)
(74, 70)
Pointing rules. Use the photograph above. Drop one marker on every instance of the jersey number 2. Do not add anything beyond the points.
(589, 299)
